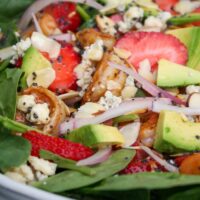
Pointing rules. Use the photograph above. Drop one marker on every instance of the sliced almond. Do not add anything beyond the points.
(194, 100)
(43, 77)
(124, 54)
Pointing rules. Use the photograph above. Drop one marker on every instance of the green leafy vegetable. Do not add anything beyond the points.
(83, 13)
(66, 163)
(15, 126)
(69, 180)
(14, 149)
(4, 64)
(9, 80)
(184, 19)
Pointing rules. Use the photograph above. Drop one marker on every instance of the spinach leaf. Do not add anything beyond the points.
(66, 163)
(9, 80)
(14, 151)
(12, 8)
(69, 180)
(148, 181)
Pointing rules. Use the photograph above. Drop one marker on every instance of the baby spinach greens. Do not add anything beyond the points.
(14, 150)
(9, 80)
(66, 163)
(146, 186)
(69, 180)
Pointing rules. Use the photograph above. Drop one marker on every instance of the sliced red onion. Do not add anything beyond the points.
(130, 133)
(159, 106)
(146, 85)
(6, 53)
(45, 44)
(62, 37)
(158, 159)
(36, 23)
(38, 5)
(100, 156)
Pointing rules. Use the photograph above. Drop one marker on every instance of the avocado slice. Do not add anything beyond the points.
(96, 135)
(191, 38)
(174, 134)
(33, 60)
(171, 74)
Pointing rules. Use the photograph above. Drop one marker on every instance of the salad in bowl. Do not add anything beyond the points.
(101, 99)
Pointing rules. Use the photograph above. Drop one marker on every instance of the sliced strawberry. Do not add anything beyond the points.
(167, 5)
(60, 146)
(64, 67)
(65, 15)
(152, 46)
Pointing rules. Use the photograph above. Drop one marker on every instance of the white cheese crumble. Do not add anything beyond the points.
(43, 166)
(129, 89)
(39, 114)
(192, 89)
(130, 19)
(145, 70)
(109, 100)
(20, 48)
(94, 52)
(186, 6)
(106, 25)
(24, 102)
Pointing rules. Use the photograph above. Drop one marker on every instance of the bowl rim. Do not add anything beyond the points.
(26, 190)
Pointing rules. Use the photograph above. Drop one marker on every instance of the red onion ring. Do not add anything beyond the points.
(146, 85)
(159, 106)
(100, 156)
(130, 133)
(38, 5)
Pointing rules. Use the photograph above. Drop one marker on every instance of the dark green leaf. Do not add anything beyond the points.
(9, 80)
(66, 163)
(69, 180)
(4, 64)
(149, 181)
(14, 151)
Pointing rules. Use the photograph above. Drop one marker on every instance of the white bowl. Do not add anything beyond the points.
(11, 190)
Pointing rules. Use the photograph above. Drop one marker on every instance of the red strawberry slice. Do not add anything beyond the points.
(60, 146)
(116, 18)
(167, 5)
(152, 46)
(65, 15)
(64, 67)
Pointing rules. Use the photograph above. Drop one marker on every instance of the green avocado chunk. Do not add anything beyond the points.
(171, 74)
(190, 37)
(33, 60)
(174, 134)
(96, 135)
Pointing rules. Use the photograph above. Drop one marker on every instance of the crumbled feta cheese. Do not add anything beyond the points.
(186, 6)
(154, 23)
(94, 52)
(130, 81)
(16, 177)
(145, 70)
(192, 88)
(39, 114)
(130, 19)
(133, 13)
(25, 171)
(25, 102)
(40, 176)
(106, 25)
(22, 46)
(109, 100)
(41, 165)
(128, 92)
(164, 16)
